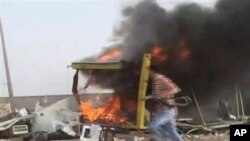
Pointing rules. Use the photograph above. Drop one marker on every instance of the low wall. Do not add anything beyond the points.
(29, 102)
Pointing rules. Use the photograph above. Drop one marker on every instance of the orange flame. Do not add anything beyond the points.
(114, 54)
(107, 112)
(185, 53)
(184, 50)
(159, 54)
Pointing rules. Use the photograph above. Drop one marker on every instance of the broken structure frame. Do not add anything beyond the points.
(143, 83)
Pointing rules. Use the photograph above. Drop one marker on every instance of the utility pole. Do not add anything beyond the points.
(9, 84)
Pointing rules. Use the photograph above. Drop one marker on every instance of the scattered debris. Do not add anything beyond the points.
(54, 117)
(91, 132)
(5, 109)
(15, 124)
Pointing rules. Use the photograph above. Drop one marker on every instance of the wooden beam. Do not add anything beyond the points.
(140, 121)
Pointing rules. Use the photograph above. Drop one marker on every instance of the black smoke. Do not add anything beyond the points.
(217, 39)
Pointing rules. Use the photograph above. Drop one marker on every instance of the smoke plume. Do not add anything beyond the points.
(207, 50)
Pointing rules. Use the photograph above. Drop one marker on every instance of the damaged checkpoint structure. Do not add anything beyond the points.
(130, 102)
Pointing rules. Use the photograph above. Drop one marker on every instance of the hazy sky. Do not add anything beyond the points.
(42, 37)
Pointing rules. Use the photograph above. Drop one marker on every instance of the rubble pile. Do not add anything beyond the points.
(58, 122)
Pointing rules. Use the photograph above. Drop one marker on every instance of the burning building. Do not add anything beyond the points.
(203, 50)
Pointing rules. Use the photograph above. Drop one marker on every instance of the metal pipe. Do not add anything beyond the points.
(237, 102)
(9, 84)
(199, 110)
(182, 101)
(242, 105)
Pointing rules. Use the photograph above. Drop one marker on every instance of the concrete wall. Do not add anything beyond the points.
(29, 102)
